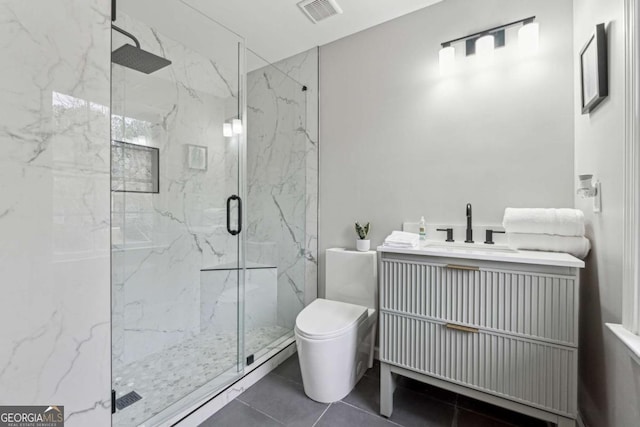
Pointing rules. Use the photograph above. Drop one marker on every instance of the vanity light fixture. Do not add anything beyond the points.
(227, 130)
(237, 126)
(485, 48)
(447, 60)
(231, 129)
(484, 42)
(528, 37)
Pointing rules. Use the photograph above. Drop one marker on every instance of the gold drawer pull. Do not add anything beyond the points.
(463, 267)
(461, 328)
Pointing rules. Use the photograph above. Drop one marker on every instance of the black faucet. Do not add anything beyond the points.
(469, 229)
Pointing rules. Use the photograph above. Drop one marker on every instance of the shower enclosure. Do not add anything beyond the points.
(208, 210)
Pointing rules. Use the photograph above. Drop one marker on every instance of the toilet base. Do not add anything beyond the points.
(331, 368)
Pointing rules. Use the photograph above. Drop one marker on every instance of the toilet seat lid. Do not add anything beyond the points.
(325, 318)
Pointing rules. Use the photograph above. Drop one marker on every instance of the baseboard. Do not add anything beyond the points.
(236, 389)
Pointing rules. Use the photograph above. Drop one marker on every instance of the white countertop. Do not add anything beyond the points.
(487, 254)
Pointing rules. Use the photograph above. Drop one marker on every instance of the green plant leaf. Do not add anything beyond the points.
(362, 231)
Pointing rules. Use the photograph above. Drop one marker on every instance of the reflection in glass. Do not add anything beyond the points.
(134, 168)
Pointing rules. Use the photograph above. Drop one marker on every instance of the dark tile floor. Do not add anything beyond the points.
(278, 399)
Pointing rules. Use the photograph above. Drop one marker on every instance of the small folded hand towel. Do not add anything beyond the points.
(577, 246)
(399, 245)
(402, 239)
(561, 222)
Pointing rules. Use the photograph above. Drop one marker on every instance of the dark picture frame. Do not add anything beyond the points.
(134, 168)
(594, 75)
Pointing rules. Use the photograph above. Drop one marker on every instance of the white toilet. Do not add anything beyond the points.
(335, 336)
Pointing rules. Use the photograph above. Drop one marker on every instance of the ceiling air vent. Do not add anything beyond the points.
(318, 10)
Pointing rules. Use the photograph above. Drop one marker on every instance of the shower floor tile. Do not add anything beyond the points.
(164, 378)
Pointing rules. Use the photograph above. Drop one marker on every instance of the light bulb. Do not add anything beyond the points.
(447, 60)
(528, 40)
(485, 47)
(227, 131)
(237, 126)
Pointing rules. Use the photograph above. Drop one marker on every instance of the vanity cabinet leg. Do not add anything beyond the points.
(387, 387)
(567, 422)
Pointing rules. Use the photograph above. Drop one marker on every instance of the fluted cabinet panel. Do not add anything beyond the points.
(526, 371)
(532, 305)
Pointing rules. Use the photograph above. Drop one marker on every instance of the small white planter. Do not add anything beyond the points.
(363, 245)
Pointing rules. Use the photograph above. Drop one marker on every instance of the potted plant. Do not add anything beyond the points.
(362, 244)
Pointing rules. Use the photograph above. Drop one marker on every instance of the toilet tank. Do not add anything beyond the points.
(351, 276)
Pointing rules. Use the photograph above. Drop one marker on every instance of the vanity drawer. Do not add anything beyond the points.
(526, 371)
(529, 304)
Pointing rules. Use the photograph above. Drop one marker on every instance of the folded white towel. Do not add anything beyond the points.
(562, 222)
(577, 246)
(402, 239)
(400, 245)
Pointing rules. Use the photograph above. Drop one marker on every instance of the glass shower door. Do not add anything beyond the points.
(277, 205)
(177, 253)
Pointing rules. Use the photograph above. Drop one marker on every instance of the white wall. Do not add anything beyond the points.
(54, 207)
(398, 141)
(609, 389)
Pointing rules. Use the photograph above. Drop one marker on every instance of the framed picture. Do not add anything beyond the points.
(594, 70)
(197, 157)
(134, 168)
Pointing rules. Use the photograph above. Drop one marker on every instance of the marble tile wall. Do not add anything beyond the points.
(282, 175)
(54, 207)
(303, 67)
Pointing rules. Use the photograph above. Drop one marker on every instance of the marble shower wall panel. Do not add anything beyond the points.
(54, 207)
(276, 182)
(167, 238)
(282, 176)
(304, 68)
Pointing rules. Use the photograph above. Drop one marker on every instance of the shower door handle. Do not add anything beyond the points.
(234, 232)
(239, 214)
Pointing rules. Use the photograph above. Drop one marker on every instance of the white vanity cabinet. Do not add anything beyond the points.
(501, 329)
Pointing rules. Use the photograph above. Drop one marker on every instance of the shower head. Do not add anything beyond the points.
(135, 58)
